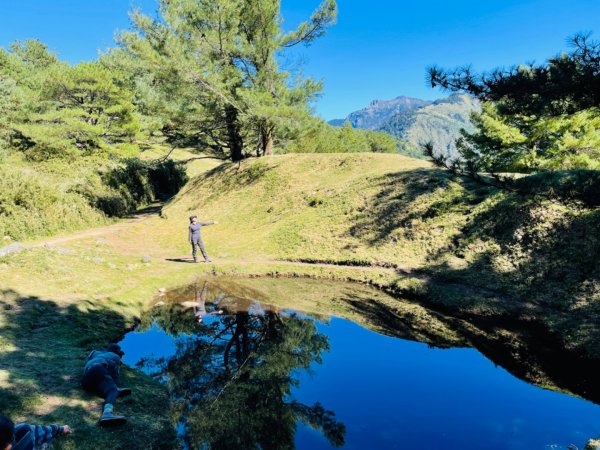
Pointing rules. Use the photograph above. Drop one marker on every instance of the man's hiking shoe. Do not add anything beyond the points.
(124, 392)
(108, 419)
(207, 260)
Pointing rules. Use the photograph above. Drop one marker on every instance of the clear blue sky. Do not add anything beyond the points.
(378, 50)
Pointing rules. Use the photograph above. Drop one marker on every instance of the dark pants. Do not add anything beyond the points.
(198, 242)
(98, 380)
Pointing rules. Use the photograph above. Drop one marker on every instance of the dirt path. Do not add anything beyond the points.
(153, 211)
(139, 216)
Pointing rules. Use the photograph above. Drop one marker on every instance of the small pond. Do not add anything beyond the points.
(271, 364)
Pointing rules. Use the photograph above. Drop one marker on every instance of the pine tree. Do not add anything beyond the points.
(535, 117)
(221, 56)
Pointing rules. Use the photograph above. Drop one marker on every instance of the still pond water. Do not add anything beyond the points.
(247, 370)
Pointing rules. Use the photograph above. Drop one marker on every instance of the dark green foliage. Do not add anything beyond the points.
(570, 185)
(137, 183)
(565, 84)
(167, 178)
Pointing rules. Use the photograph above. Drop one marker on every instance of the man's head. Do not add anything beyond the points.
(115, 348)
(193, 219)
(7, 433)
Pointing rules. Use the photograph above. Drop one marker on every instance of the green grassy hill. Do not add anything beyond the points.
(357, 209)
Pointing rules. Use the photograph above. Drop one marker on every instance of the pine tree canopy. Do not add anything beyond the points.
(216, 65)
(534, 117)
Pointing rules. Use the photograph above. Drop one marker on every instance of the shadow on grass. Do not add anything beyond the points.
(181, 260)
(403, 197)
(539, 262)
(227, 177)
(538, 254)
(42, 353)
(528, 286)
(147, 211)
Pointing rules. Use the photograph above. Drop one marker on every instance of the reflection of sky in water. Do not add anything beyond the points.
(397, 394)
(150, 343)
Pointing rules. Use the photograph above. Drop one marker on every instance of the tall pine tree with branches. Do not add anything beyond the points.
(220, 56)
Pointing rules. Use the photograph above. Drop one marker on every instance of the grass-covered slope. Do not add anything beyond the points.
(489, 252)
(360, 208)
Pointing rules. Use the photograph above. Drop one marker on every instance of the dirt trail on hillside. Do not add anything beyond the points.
(139, 216)
(153, 211)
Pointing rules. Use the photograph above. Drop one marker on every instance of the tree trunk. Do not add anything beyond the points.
(234, 135)
(267, 140)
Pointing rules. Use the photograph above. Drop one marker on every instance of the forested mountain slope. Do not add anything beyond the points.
(418, 121)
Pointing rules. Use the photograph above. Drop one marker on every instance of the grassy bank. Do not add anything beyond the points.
(56, 196)
(385, 220)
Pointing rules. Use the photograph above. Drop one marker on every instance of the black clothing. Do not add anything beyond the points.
(101, 373)
(97, 380)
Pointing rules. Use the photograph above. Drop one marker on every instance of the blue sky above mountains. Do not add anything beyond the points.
(378, 49)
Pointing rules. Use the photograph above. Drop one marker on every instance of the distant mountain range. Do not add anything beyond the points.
(418, 121)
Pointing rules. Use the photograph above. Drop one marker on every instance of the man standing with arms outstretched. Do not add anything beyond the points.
(195, 237)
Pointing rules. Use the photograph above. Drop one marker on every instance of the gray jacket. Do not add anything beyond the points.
(110, 360)
(195, 230)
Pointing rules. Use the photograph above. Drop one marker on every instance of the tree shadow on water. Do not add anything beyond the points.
(525, 349)
(405, 320)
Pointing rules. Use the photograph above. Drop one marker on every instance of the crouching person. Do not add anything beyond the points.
(28, 437)
(101, 377)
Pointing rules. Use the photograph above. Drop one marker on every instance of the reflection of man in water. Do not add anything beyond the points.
(200, 302)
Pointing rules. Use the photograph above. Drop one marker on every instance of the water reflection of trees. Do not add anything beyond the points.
(232, 375)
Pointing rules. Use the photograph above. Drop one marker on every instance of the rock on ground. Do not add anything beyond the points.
(15, 247)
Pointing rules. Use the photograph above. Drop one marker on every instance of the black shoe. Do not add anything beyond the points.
(108, 419)
(124, 392)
